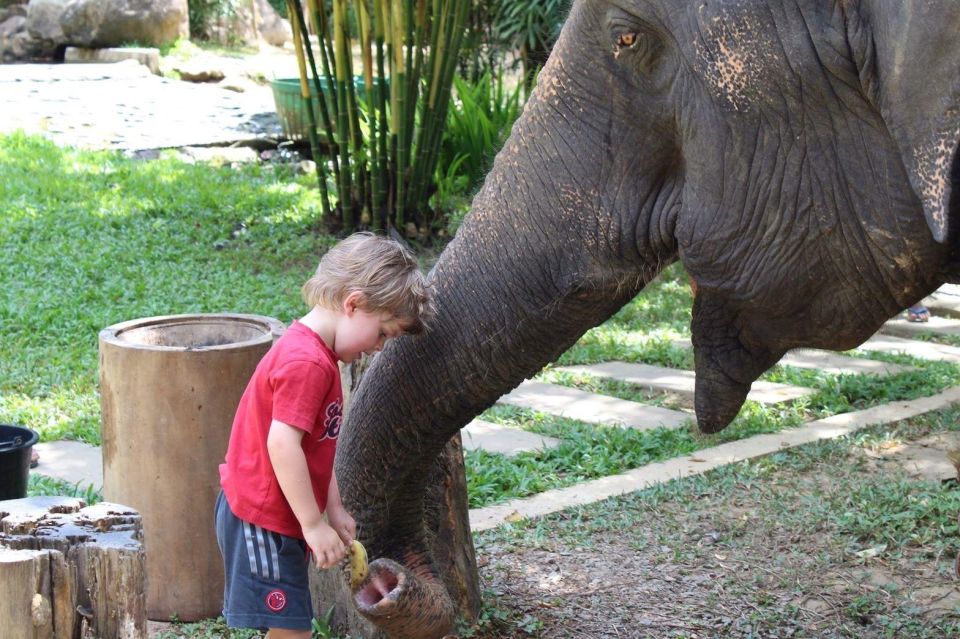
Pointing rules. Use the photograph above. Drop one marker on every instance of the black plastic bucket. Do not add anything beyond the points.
(16, 444)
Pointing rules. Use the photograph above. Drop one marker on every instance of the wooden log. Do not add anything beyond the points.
(69, 570)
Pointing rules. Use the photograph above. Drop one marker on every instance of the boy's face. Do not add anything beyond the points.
(360, 331)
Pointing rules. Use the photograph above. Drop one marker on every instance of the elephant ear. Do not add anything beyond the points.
(910, 60)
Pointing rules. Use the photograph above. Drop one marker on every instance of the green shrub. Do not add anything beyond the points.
(478, 124)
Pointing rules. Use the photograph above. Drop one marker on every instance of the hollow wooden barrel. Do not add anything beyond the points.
(169, 388)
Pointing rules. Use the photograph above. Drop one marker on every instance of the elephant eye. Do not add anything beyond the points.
(643, 46)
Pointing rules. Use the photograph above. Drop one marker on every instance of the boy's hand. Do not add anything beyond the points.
(342, 522)
(325, 545)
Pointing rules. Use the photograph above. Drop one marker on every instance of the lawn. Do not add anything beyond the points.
(94, 238)
(91, 239)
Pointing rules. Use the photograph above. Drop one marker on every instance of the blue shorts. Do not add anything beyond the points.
(266, 583)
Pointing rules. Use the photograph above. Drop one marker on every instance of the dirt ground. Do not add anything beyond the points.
(753, 551)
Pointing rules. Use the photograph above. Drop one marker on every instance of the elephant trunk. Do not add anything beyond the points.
(542, 257)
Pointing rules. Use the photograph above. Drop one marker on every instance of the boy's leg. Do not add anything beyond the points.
(279, 633)
(265, 575)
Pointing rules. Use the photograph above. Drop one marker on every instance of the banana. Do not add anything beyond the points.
(358, 564)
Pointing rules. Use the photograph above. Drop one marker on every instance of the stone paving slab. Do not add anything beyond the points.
(901, 327)
(837, 364)
(914, 348)
(71, 461)
(682, 382)
(942, 303)
(496, 438)
(828, 361)
(704, 460)
(593, 408)
(124, 106)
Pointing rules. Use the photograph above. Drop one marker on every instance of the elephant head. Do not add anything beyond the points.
(798, 156)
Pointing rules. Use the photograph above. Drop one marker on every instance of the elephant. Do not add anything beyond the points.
(799, 157)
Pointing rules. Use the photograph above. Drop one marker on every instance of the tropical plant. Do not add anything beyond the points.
(529, 27)
(481, 115)
(386, 133)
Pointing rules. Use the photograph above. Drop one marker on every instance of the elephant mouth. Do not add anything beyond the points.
(404, 604)
(380, 591)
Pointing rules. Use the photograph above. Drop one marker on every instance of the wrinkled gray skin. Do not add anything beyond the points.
(797, 155)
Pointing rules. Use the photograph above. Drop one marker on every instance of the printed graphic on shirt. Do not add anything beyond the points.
(332, 419)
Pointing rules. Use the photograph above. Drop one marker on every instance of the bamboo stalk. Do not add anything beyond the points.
(442, 103)
(319, 25)
(420, 178)
(341, 61)
(293, 9)
(366, 51)
(383, 187)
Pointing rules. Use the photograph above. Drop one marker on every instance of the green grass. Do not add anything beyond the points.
(798, 522)
(91, 239)
(41, 485)
(646, 330)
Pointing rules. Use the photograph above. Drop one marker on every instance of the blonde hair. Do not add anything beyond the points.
(382, 270)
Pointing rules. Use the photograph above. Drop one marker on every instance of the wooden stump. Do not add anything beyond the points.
(71, 571)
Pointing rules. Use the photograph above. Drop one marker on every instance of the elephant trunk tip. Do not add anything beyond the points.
(403, 604)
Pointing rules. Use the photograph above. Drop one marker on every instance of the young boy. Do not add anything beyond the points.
(277, 479)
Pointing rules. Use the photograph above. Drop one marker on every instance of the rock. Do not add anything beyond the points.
(199, 69)
(218, 155)
(12, 10)
(107, 23)
(148, 57)
(11, 26)
(238, 83)
(274, 29)
(15, 42)
(43, 24)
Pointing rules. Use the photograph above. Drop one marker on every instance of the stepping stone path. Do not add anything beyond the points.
(681, 382)
(837, 364)
(913, 348)
(945, 301)
(496, 438)
(942, 325)
(592, 408)
(831, 362)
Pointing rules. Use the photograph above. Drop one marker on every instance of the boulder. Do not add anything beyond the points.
(15, 42)
(106, 23)
(271, 27)
(43, 24)
(274, 29)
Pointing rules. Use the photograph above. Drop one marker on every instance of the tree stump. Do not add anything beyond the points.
(71, 571)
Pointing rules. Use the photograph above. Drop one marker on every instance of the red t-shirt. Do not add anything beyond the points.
(298, 383)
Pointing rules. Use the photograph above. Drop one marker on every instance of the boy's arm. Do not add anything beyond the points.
(290, 467)
(339, 518)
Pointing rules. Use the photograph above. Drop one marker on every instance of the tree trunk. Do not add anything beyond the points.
(449, 529)
(71, 571)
